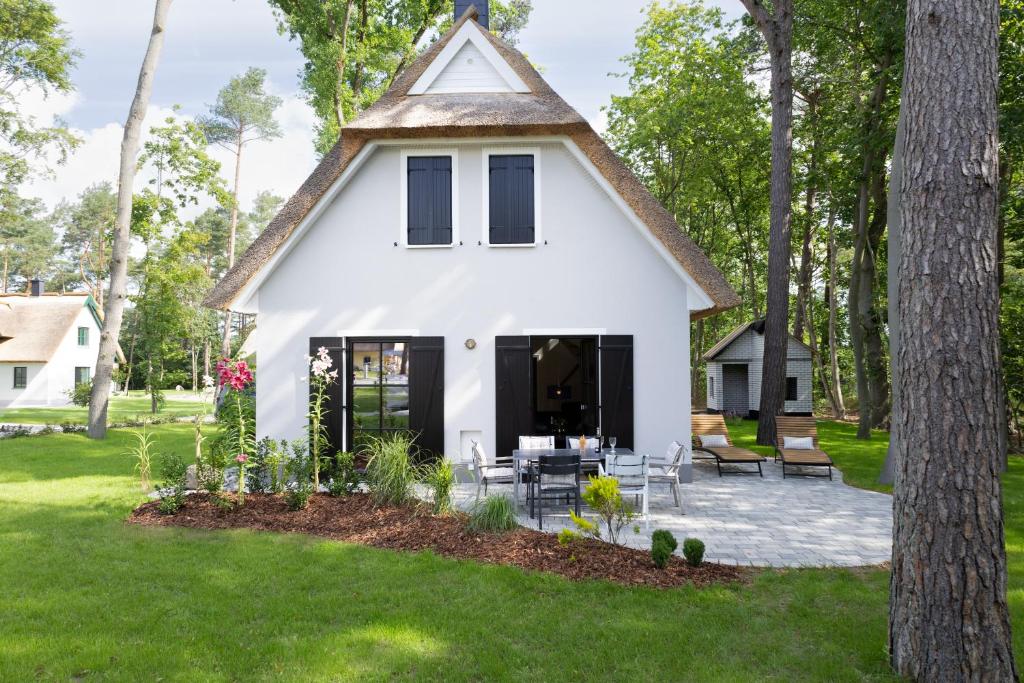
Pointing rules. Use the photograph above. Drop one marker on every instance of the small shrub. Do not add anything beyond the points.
(257, 475)
(72, 428)
(223, 502)
(344, 478)
(300, 469)
(173, 472)
(390, 472)
(693, 551)
(496, 513)
(663, 544)
(604, 498)
(142, 451)
(80, 394)
(568, 537)
(440, 478)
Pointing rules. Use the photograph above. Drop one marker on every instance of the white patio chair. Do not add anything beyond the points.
(631, 471)
(486, 473)
(574, 442)
(528, 442)
(667, 471)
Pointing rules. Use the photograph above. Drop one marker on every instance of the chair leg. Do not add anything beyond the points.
(485, 486)
(647, 516)
(760, 472)
(718, 463)
(478, 489)
(830, 472)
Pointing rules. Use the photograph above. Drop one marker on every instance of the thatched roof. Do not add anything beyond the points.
(399, 115)
(32, 327)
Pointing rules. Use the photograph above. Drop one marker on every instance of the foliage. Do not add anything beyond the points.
(603, 497)
(344, 478)
(390, 472)
(300, 470)
(173, 473)
(35, 56)
(354, 49)
(80, 394)
(27, 241)
(320, 380)
(663, 544)
(142, 451)
(693, 551)
(568, 537)
(439, 477)
(234, 377)
(493, 514)
(243, 113)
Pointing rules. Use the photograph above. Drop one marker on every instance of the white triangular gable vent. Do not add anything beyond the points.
(468, 64)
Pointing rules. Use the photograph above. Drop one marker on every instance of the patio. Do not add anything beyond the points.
(747, 520)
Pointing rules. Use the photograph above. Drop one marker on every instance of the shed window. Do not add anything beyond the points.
(83, 336)
(711, 386)
(511, 200)
(430, 200)
(791, 387)
(20, 377)
(82, 375)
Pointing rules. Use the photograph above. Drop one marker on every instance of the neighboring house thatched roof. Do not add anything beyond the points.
(399, 115)
(32, 327)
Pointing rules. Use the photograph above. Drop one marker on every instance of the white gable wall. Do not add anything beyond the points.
(345, 277)
(469, 71)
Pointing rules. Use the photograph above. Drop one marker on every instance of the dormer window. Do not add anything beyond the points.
(512, 192)
(429, 213)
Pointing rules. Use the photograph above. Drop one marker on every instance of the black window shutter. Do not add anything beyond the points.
(513, 365)
(426, 393)
(430, 200)
(617, 388)
(511, 199)
(335, 393)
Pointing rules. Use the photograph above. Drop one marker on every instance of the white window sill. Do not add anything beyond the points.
(511, 246)
(429, 246)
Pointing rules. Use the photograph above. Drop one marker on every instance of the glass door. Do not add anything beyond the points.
(379, 389)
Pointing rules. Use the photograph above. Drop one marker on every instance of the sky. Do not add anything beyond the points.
(576, 43)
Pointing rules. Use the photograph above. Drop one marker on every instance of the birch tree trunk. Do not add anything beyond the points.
(948, 617)
(833, 306)
(113, 311)
(777, 28)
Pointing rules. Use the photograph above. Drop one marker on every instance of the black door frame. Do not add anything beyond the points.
(349, 400)
(596, 339)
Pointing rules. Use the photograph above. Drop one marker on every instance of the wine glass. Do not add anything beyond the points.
(612, 441)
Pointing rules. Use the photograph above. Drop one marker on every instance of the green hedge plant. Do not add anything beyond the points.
(693, 551)
(663, 544)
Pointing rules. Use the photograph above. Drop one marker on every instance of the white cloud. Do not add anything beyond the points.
(279, 165)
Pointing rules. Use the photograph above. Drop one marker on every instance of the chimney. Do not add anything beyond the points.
(37, 287)
(481, 8)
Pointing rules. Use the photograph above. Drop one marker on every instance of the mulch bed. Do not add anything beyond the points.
(355, 519)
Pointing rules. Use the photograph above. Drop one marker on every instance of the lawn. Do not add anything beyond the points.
(122, 409)
(89, 597)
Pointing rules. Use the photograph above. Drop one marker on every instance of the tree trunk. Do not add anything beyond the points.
(833, 348)
(152, 390)
(6, 265)
(225, 348)
(948, 616)
(114, 309)
(339, 67)
(777, 30)
(810, 204)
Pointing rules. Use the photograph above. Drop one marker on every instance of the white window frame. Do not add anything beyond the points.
(403, 221)
(485, 163)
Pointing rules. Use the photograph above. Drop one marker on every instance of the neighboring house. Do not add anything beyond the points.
(48, 343)
(481, 266)
(734, 368)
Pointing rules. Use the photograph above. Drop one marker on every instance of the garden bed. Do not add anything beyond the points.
(355, 519)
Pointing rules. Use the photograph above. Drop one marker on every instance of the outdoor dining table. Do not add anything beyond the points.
(529, 456)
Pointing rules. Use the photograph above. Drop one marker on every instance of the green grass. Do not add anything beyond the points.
(122, 409)
(90, 597)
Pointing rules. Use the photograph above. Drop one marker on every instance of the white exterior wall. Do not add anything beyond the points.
(714, 371)
(48, 384)
(597, 273)
(749, 348)
(469, 71)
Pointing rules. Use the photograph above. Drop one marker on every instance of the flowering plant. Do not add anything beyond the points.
(321, 377)
(237, 375)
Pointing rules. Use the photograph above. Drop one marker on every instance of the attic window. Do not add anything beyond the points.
(511, 199)
(429, 207)
(83, 336)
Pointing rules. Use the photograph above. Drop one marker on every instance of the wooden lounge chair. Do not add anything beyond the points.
(724, 455)
(799, 457)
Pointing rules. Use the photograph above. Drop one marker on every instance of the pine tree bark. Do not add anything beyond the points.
(113, 312)
(225, 347)
(833, 315)
(777, 28)
(803, 292)
(948, 612)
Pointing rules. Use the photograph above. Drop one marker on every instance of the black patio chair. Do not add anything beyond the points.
(555, 478)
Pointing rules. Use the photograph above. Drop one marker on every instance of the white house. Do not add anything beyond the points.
(48, 343)
(481, 265)
(734, 367)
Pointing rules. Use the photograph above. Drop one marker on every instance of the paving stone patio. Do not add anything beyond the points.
(746, 520)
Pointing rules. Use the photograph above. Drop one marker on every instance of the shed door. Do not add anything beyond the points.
(735, 389)
(616, 361)
(335, 393)
(513, 368)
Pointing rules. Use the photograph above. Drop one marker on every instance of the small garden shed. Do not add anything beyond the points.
(734, 373)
